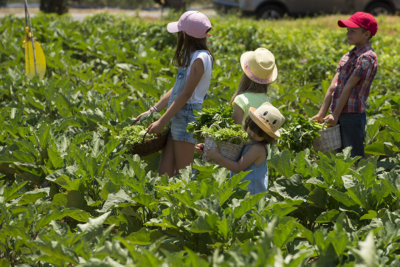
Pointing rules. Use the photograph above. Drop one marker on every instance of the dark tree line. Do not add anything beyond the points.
(54, 6)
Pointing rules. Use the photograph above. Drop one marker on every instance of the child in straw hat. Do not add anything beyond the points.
(262, 126)
(259, 71)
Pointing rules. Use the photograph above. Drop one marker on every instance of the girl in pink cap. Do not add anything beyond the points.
(195, 62)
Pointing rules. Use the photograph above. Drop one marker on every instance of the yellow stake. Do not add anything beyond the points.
(35, 61)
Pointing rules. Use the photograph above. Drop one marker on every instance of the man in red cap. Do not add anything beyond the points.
(347, 95)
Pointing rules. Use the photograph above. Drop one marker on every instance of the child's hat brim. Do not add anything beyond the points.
(262, 124)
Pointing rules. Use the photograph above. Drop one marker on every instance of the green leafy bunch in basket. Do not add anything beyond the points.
(233, 135)
(132, 135)
(298, 133)
(135, 134)
(221, 118)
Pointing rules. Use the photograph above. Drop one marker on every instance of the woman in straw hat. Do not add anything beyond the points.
(262, 126)
(259, 71)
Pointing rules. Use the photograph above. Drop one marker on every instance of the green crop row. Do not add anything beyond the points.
(71, 194)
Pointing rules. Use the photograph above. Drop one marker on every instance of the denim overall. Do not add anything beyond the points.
(184, 116)
(258, 176)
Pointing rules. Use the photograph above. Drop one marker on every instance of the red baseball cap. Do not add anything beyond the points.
(361, 20)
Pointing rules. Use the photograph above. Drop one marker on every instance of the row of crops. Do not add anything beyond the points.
(71, 194)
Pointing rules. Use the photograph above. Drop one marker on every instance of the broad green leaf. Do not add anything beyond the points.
(43, 135)
(143, 236)
(60, 199)
(10, 194)
(378, 149)
(327, 216)
(358, 194)
(54, 156)
(343, 198)
(226, 189)
(114, 200)
(370, 215)
(54, 252)
(78, 215)
(318, 197)
(76, 199)
(93, 224)
(283, 233)
(32, 196)
(246, 205)
(367, 174)
(205, 223)
(223, 228)
(281, 161)
(291, 188)
(367, 252)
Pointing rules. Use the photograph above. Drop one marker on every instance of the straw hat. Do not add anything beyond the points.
(259, 65)
(268, 118)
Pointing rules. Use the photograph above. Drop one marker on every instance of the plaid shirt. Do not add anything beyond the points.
(363, 63)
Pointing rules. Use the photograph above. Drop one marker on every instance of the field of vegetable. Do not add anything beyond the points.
(72, 195)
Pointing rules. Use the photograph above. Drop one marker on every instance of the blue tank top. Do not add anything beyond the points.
(258, 176)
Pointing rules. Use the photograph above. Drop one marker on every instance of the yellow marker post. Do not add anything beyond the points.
(35, 61)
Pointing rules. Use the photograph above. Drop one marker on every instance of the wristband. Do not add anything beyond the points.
(153, 109)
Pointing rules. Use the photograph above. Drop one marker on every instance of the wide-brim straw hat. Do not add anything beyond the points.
(259, 65)
(268, 118)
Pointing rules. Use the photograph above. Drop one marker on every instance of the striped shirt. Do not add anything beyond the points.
(362, 62)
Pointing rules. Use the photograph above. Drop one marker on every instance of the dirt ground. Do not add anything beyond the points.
(80, 14)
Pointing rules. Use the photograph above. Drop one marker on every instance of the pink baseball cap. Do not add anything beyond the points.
(193, 23)
(361, 20)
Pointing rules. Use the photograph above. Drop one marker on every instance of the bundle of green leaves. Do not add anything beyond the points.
(132, 135)
(298, 133)
(220, 117)
(234, 134)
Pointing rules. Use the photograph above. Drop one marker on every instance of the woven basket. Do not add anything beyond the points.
(329, 140)
(227, 149)
(150, 146)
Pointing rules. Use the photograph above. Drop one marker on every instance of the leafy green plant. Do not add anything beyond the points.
(298, 133)
(235, 134)
(134, 134)
(220, 116)
(70, 195)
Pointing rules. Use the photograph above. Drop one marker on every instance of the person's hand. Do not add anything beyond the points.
(318, 118)
(331, 119)
(144, 114)
(199, 148)
(156, 127)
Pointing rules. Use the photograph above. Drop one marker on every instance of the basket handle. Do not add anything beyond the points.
(142, 118)
(323, 125)
(144, 136)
